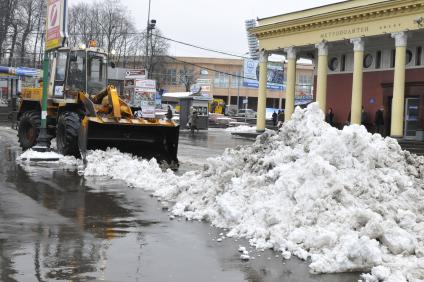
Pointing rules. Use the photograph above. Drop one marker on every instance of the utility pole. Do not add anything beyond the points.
(150, 26)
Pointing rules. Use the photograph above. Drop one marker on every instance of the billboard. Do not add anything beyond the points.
(275, 76)
(57, 27)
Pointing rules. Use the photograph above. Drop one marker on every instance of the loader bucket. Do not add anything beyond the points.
(147, 140)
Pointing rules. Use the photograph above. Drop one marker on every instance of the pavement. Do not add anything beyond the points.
(56, 225)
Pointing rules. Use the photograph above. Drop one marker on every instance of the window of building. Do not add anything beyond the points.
(408, 56)
(393, 58)
(221, 80)
(304, 82)
(333, 64)
(368, 59)
(171, 76)
(378, 60)
(343, 63)
(236, 80)
(418, 56)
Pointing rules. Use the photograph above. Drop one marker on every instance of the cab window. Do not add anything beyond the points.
(59, 81)
(76, 77)
(96, 73)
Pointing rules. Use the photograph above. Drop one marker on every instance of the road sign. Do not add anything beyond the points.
(57, 25)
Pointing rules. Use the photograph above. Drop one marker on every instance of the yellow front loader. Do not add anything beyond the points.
(85, 113)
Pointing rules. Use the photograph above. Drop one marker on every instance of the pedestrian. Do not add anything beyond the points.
(280, 116)
(379, 121)
(364, 117)
(329, 118)
(169, 113)
(274, 118)
(193, 121)
(280, 119)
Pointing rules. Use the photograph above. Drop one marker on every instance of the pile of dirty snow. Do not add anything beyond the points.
(345, 199)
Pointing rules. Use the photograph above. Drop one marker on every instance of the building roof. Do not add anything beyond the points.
(321, 10)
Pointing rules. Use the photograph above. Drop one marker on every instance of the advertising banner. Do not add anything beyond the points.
(146, 102)
(275, 77)
(147, 85)
(57, 30)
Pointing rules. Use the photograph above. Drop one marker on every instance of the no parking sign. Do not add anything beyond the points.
(57, 27)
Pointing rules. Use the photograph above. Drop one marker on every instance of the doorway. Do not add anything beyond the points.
(412, 106)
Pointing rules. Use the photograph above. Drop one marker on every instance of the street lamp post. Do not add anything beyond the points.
(150, 26)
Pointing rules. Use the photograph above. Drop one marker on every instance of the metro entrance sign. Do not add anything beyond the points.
(57, 30)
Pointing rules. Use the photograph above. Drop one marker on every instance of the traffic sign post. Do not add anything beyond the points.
(56, 34)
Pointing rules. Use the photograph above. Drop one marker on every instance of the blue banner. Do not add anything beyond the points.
(275, 75)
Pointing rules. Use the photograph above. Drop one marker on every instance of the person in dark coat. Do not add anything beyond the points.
(364, 116)
(169, 113)
(281, 116)
(329, 118)
(274, 118)
(379, 121)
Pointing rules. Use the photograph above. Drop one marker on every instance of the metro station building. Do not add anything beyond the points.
(366, 53)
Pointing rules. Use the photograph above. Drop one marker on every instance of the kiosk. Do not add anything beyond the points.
(188, 103)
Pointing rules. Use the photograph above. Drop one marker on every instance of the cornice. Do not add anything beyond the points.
(339, 18)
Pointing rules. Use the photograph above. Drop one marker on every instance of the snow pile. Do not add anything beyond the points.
(345, 199)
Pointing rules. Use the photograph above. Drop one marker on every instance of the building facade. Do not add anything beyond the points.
(367, 54)
(223, 78)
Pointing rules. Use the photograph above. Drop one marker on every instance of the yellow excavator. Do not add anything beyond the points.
(85, 113)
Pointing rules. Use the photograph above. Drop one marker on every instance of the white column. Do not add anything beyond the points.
(398, 103)
(358, 67)
(322, 72)
(262, 91)
(291, 82)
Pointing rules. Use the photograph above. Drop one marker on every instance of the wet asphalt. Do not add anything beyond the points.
(56, 225)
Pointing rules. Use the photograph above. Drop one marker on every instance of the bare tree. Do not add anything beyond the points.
(27, 17)
(7, 12)
(187, 77)
(154, 61)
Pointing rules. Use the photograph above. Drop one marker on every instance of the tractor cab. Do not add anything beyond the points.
(74, 71)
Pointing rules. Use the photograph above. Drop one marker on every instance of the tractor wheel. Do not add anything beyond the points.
(67, 129)
(28, 129)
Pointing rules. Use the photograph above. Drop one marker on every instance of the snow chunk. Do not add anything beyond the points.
(31, 154)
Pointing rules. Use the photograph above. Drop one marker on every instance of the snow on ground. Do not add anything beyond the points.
(345, 199)
(244, 129)
(30, 154)
(241, 128)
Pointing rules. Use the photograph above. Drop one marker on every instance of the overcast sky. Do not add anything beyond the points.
(215, 24)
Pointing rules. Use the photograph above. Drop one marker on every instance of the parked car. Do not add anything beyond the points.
(249, 113)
